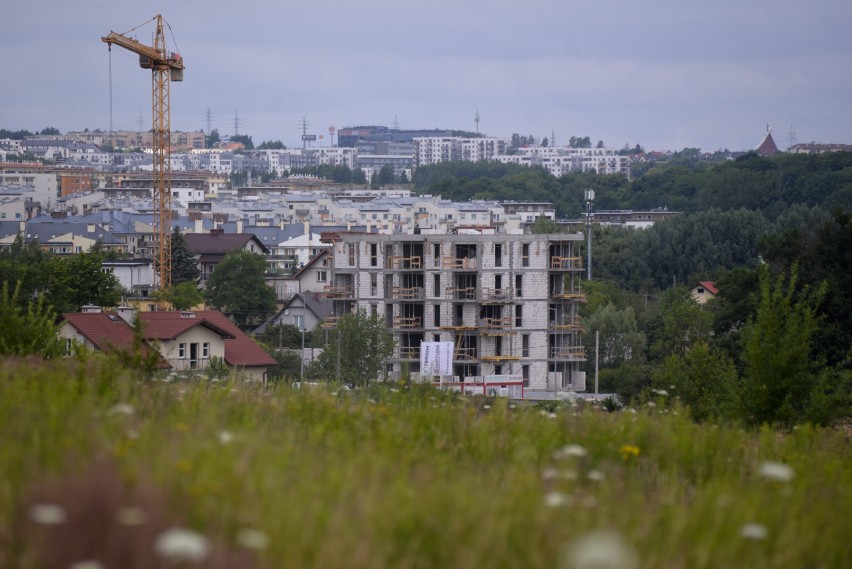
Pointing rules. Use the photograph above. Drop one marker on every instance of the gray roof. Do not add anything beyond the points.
(319, 307)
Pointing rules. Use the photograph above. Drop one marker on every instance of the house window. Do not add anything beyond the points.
(374, 255)
(205, 350)
(519, 285)
(498, 255)
(525, 255)
(351, 254)
(525, 346)
(322, 276)
(437, 316)
(182, 351)
(374, 284)
(525, 373)
(519, 315)
(68, 346)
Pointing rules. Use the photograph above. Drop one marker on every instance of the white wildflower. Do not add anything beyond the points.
(252, 539)
(130, 516)
(552, 415)
(181, 544)
(48, 514)
(486, 407)
(556, 500)
(572, 450)
(777, 471)
(754, 531)
(595, 475)
(661, 392)
(550, 473)
(225, 437)
(88, 564)
(601, 549)
(120, 409)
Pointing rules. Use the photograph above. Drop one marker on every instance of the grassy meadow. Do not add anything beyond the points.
(96, 465)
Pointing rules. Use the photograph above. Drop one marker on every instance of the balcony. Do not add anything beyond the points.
(464, 354)
(495, 324)
(412, 293)
(329, 322)
(566, 295)
(408, 353)
(565, 263)
(497, 295)
(336, 291)
(406, 322)
(467, 293)
(396, 262)
(567, 353)
(464, 263)
(566, 326)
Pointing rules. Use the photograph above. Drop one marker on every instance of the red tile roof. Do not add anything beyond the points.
(241, 350)
(169, 325)
(107, 332)
(710, 286)
(767, 146)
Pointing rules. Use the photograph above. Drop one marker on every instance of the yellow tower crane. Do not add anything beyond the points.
(165, 67)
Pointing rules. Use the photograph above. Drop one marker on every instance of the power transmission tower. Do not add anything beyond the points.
(236, 124)
(304, 132)
(792, 135)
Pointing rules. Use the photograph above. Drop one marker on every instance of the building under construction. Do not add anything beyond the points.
(507, 302)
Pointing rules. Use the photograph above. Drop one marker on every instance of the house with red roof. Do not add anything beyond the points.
(704, 291)
(184, 340)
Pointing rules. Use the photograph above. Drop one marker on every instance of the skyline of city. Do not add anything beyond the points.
(663, 75)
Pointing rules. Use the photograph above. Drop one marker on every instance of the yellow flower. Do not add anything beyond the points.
(628, 451)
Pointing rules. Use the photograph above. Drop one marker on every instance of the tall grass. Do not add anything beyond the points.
(409, 477)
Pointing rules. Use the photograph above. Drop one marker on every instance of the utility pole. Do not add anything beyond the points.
(597, 359)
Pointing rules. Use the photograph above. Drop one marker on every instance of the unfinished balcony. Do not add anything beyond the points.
(404, 263)
(497, 295)
(568, 353)
(461, 293)
(338, 292)
(407, 322)
(459, 263)
(566, 263)
(407, 293)
(499, 326)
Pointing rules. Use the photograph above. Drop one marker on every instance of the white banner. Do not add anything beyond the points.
(436, 358)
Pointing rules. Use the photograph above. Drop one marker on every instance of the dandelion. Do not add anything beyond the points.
(181, 544)
(777, 471)
(226, 437)
(47, 514)
(130, 516)
(628, 451)
(252, 539)
(572, 450)
(754, 531)
(120, 409)
(556, 500)
(601, 549)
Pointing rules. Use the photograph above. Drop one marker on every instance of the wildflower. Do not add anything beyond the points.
(551, 415)
(753, 531)
(628, 451)
(181, 544)
(47, 514)
(120, 409)
(660, 392)
(226, 437)
(556, 500)
(252, 539)
(601, 549)
(570, 451)
(130, 516)
(595, 475)
(550, 473)
(486, 407)
(777, 471)
(88, 564)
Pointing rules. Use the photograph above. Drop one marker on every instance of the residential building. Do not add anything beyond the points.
(704, 292)
(184, 340)
(210, 248)
(508, 304)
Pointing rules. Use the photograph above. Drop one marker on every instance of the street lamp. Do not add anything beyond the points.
(590, 197)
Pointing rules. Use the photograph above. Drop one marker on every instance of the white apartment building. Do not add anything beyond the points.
(436, 149)
(508, 304)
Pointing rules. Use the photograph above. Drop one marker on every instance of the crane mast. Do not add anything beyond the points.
(165, 67)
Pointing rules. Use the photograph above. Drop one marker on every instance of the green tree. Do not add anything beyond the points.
(364, 345)
(544, 225)
(679, 323)
(212, 139)
(779, 375)
(26, 332)
(271, 145)
(238, 289)
(244, 139)
(182, 296)
(285, 336)
(184, 265)
(620, 339)
(25, 265)
(78, 280)
(704, 379)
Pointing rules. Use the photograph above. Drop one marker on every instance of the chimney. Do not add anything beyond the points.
(307, 229)
(127, 313)
(217, 231)
(199, 226)
(90, 227)
(239, 225)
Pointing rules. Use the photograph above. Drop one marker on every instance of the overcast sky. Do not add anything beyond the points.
(663, 73)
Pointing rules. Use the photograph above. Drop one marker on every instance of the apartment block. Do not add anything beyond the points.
(507, 302)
